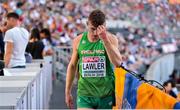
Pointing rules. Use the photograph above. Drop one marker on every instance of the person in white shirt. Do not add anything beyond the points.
(16, 39)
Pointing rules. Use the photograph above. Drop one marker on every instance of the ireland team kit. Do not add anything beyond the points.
(96, 71)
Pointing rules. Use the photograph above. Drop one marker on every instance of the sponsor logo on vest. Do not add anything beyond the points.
(92, 52)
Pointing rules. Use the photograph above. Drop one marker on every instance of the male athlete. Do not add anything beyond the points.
(95, 52)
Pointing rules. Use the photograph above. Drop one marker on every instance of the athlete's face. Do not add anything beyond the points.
(92, 30)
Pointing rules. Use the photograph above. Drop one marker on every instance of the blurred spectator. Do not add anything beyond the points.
(174, 76)
(168, 87)
(35, 46)
(64, 37)
(19, 10)
(174, 88)
(16, 39)
(45, 36)
(1, 45)
(2, 31)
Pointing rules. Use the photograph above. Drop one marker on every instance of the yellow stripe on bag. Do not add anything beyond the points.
(119, 86)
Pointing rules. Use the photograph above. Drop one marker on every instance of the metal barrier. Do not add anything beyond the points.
(27, 88)
(61, 60)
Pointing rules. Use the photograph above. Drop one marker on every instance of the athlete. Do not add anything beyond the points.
(95, 52)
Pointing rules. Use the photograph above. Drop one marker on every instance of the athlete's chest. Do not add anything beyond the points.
(91, 49)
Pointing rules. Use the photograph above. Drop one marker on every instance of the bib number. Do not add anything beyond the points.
(94, 66)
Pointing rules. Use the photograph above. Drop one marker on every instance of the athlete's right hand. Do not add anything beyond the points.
(69, 101)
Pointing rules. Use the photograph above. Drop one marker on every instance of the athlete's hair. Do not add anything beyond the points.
(12, 15)
(97, 17)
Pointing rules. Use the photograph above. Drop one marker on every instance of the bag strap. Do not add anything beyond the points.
(141, 78)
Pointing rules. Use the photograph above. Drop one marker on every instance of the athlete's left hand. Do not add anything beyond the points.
(102, 33)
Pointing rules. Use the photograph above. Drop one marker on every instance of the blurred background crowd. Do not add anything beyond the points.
(153, 25)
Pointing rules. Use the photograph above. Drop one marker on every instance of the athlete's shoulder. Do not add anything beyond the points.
(77, 40)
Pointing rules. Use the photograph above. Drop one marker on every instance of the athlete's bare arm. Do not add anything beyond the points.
(71, 71)
(113, 51)
(111, 45)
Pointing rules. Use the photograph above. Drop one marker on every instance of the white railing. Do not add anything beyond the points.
(27, 88)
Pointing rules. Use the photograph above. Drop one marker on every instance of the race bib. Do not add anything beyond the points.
(94, 66)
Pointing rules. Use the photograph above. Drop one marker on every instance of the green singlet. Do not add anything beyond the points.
(96, 71)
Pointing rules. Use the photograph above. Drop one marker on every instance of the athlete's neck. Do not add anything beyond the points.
(92, 38)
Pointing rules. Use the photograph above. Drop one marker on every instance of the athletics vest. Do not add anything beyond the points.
(96, 71)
